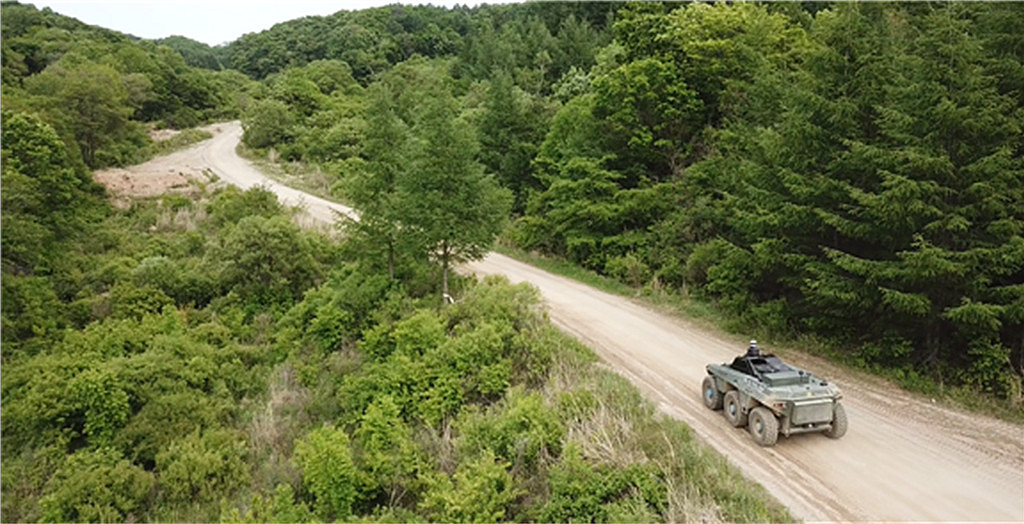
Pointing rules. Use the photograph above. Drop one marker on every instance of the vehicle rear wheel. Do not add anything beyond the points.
(733, 411)
(838, 422)
(712, 397)
(764, 427)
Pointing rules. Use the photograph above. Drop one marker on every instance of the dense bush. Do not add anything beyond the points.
(328, 472)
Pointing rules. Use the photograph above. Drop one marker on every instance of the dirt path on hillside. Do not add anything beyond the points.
(903, 459)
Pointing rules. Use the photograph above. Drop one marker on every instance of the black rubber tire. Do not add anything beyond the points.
(712, 397)
(839, 422)
(733, 411)
(764, 427)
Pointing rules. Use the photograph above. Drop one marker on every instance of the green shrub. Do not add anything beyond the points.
(267, 260)
(328, 472)
(704, 257)
(521, 429)
(628, 268)
(481, 491)
(132, 302)
(98, 394)
(164, 417)
(388, 456)
(203, 466)
(24, 476)
(232, 205)
(30, 308)
(581, 492)
(495, 300)
(96, 486)
(37, 403)
(281, 508)
(419, 333)
(479, 358)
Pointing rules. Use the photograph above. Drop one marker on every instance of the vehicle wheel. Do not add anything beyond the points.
(764, 427)
(712, 397)
(838, 422)
(733, 411)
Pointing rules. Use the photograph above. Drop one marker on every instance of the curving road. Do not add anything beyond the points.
(903, 459)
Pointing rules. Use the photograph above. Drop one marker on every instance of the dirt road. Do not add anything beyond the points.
(903, 459)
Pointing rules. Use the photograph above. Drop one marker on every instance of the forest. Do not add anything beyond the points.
(851, 173)
(848, 172)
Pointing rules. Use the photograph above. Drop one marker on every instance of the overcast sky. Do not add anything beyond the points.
(212, 21)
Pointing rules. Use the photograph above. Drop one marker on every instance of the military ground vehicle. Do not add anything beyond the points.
(772, 398)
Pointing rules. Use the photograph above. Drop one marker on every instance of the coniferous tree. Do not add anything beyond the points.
(452, 207)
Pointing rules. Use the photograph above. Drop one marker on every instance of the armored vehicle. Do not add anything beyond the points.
(771, 398)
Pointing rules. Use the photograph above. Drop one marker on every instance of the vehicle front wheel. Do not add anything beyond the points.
(733, 411)
(764, 427)
(838, 422)
(712, 397)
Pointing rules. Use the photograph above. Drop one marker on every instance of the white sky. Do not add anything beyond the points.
(212, 21)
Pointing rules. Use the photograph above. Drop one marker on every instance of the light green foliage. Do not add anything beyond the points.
(129, 301)
(36, 400)
(480, 357)
(335, 314)
(410, 337)
(298, 94)
(581, 492)
(521, 429)
(281, 508)
(495, 339)
(387, 454)
(232, 205)
(203, 466)
(480, 491)
(417, 334)
(328, 472)
(332, 76)
(96, 486)
(628, 268)
(103, 402)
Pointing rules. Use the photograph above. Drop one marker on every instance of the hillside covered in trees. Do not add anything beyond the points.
(199, 357)
(852, 172)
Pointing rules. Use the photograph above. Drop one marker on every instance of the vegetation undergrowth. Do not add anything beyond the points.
(182, 140)
(309, 178)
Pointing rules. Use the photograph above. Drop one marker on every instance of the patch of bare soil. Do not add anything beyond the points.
(178, 173)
